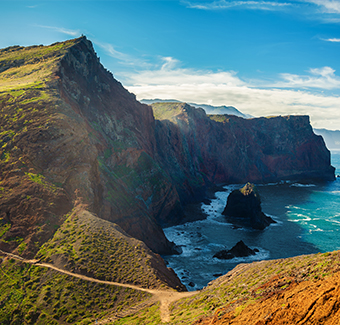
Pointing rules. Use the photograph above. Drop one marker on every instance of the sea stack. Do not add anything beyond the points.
(239, 250)
(244, 208)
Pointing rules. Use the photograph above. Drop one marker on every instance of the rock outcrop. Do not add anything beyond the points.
(244, 208)
(239, 250)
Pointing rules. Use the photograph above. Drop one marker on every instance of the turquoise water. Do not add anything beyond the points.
(319, 216)
(308, 221)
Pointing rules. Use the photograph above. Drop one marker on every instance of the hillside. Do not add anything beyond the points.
(66, 143)
(89, 176)
(69, 130)
(298, 290)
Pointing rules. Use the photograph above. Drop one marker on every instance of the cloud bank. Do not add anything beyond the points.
(327, 6)
(226, 88)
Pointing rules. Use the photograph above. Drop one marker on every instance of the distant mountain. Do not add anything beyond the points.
(332, 138)
(157, 100)
(221, 110)
(209, 109)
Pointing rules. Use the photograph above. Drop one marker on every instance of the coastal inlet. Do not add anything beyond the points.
(307, 221)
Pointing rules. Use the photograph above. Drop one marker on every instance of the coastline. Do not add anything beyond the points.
(193, 211)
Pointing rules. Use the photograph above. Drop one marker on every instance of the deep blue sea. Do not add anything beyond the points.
(308, 221)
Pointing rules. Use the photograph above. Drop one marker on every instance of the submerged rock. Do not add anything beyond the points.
(239, 250)
(244, 208)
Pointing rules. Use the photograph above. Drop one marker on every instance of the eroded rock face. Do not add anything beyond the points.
(198, 149)
(244, 208)
(126, 184)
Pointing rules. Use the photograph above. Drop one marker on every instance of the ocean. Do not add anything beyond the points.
(307, 221)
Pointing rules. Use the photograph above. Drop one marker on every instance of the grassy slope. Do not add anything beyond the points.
(91, 246)
(29, 67)
(246, 285)
(34, 295)
(238, 289)
(83, 244)
(167, 111)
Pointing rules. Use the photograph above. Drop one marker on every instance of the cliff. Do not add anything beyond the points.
(69, 130)
(199, 149)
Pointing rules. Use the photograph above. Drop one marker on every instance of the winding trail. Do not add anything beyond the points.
(165, 297)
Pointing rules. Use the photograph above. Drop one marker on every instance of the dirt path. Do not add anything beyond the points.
(165, 297)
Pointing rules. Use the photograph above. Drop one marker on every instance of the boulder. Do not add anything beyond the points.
(244, 208)
(239, 250)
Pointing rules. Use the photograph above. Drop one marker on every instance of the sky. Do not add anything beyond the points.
(263, 57)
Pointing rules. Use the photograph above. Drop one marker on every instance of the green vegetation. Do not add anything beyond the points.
(219, 118)
(166, 111)
(147, 316)
(89, 245)
(29, 67)
(35, 295)
(253, 282)
(4, 228)
(41, 180)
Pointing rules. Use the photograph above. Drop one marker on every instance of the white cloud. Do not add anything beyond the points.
(332, 40)
(226, 88)
(224, 4)
(170, 74)
(322, 78)
(62, 30)
(328, 6)
(325, 10)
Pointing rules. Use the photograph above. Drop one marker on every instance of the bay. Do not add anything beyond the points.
(308, 221)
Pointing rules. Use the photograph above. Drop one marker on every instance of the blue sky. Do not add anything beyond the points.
(263, 57)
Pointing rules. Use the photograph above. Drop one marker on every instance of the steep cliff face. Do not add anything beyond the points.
(123, 183)
(178, 146)
(198, 149)
(69, 131)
